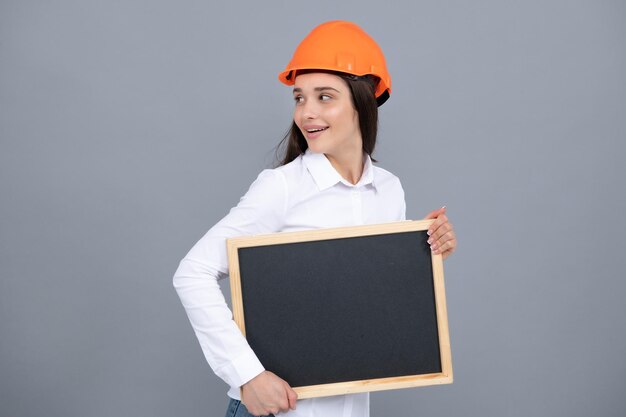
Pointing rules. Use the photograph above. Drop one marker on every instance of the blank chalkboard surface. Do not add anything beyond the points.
(344, 310)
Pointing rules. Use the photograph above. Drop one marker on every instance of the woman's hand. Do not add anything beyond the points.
(442, 238)
(268, 394)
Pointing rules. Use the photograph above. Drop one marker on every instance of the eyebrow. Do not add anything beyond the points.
(299, 90)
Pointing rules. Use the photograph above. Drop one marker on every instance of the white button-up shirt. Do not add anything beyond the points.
(308, 193)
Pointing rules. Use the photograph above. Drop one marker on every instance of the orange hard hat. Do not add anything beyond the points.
(344, 47)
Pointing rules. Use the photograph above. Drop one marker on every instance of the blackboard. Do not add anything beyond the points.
(344, 310)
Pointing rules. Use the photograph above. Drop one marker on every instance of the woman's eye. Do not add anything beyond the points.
(298, 99)
(325, 97)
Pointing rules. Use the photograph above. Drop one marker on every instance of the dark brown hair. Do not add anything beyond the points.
(362, 90)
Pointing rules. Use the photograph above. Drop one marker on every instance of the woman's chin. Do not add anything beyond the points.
(314, 147)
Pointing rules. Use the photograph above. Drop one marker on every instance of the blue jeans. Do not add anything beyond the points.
(237, 409)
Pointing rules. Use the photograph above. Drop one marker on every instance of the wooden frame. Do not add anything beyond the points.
(377, 384)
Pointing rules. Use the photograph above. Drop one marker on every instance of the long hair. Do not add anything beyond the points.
(362, 90)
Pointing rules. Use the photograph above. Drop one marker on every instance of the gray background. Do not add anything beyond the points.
(128, 128)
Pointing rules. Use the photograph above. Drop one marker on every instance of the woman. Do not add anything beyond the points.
(326, 179)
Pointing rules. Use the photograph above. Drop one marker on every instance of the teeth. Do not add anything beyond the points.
(315, 130)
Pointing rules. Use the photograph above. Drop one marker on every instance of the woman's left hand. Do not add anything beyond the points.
(442, 239)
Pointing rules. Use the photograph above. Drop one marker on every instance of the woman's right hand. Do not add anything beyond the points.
(268, 394)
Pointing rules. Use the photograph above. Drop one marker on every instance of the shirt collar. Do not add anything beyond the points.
(325, 175)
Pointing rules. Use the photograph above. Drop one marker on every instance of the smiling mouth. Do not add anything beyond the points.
(316, 130)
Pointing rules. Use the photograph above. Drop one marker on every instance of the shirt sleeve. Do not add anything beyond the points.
(401, 201)
(260, 210)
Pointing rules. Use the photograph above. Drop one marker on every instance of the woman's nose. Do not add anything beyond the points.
(309, 110)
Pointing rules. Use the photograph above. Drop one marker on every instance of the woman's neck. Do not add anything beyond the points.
(348, 165)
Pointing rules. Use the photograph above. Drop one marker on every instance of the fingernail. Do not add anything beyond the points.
(430, 241)
(429, 233)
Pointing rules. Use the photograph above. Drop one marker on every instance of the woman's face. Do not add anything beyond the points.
(325, 115)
